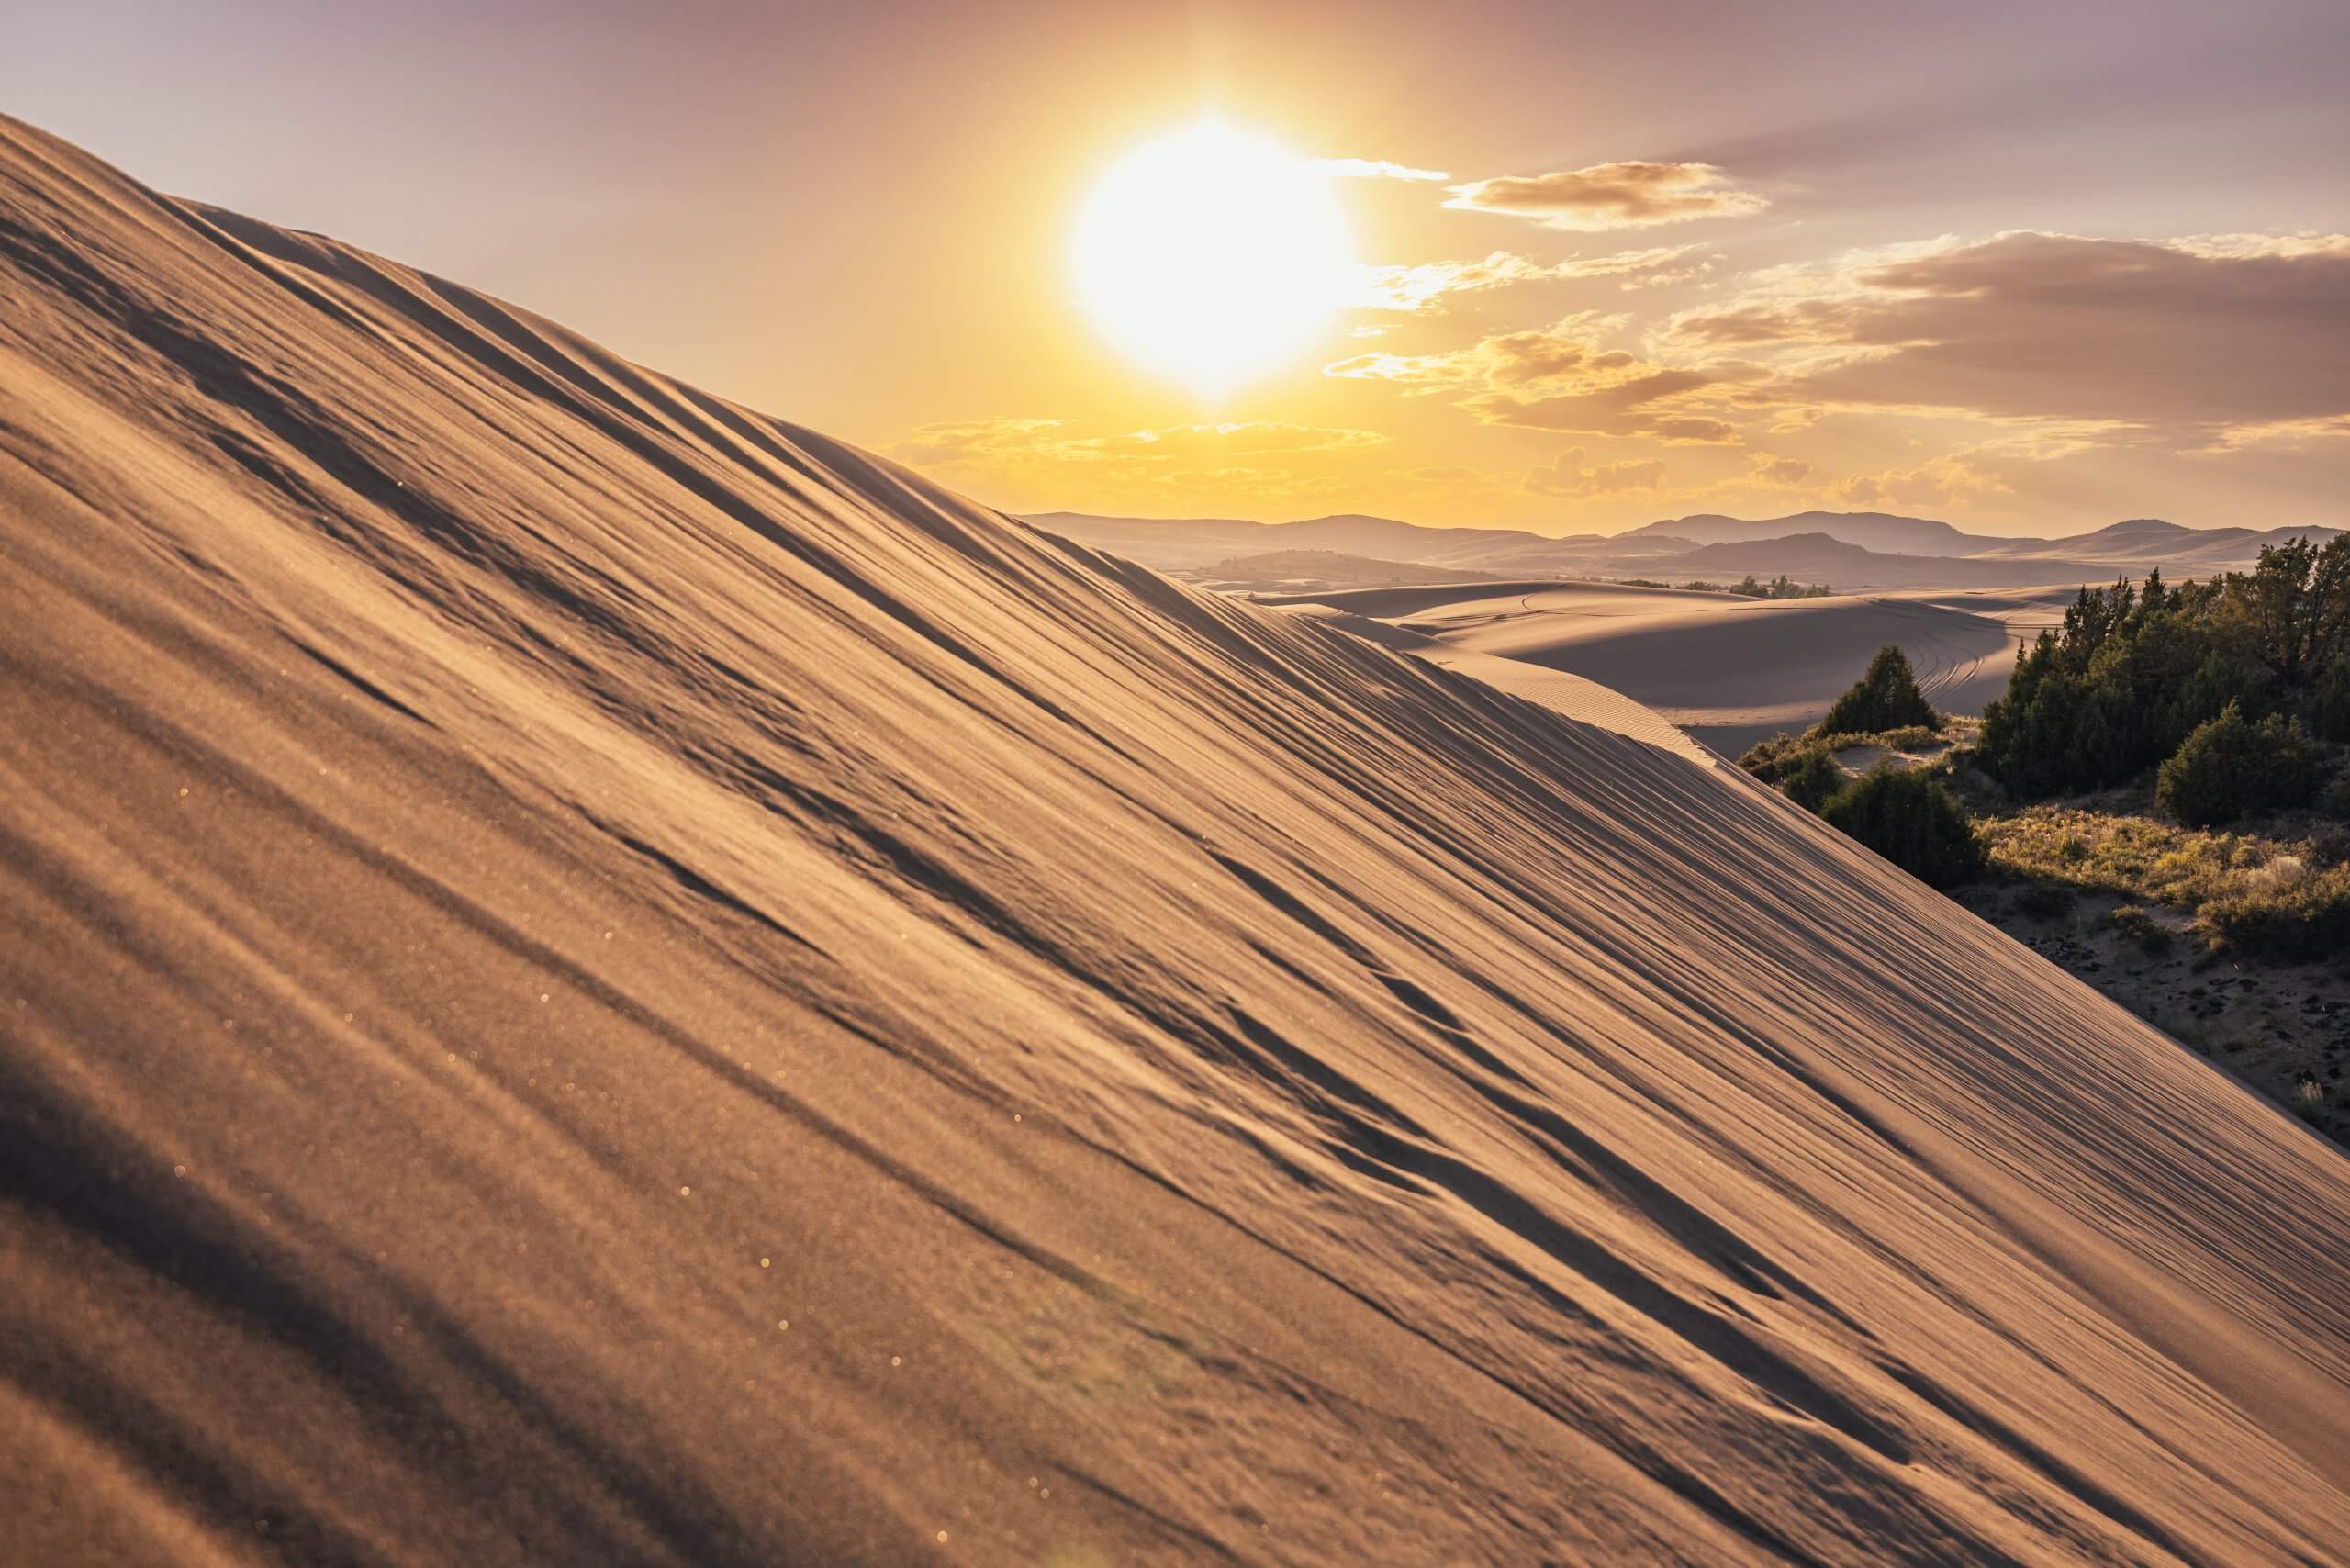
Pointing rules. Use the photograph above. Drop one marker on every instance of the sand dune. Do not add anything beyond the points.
(593, 977)
(1729, 670)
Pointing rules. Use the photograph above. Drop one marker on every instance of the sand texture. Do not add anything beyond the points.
(593, 978)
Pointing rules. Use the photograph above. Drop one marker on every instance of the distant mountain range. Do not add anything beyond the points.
(1849, 550)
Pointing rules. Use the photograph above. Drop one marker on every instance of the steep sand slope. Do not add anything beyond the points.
(593, 978)
(1729, 670)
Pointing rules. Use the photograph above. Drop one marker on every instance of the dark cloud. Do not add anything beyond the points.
(2187, 340)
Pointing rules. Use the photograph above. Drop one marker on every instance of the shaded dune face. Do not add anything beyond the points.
(591, 977)
(1728, 670)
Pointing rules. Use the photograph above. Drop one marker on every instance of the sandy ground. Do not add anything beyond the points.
(592, 977)
(2273, 1025)
(1729, 670)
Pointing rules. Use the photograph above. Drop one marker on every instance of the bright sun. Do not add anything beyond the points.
(1212, 255)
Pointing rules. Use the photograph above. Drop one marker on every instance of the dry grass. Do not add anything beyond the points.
(2248, 890)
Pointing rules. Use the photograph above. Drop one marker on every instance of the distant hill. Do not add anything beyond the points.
(1327, 569)
(1183, 543)
(1881, 531)
(1817, 557)
(2149, 540)
(1875, 549)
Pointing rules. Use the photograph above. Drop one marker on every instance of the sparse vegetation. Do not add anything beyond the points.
(1885, 698)
(1911, 818)
(1812, 778)
(2139, 926)
(2205, 724)
(1749, 587)
(2137, 669)
(2229, 766)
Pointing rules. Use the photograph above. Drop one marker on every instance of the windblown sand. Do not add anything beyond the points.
(591, 977)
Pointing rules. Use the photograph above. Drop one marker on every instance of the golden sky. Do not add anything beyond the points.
(2028, 268)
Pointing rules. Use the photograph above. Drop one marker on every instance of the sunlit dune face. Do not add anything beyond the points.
(1212, 255)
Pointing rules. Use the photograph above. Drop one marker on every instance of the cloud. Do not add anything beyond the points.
(2288, 433)
(1568, 477)
(1425, 287)
(1555, 378)
(1657, 267)
(971, 440)
(1505, 359)
(2176, 341)
(1769, 468)
(1373, 169)
(1955, 479)
(1233, 439)
(1628, 407)
(1012, 441)
(1611, 195)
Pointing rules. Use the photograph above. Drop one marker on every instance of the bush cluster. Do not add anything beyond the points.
(1885, 698)
(2229, 767)
(1912, 820)
(2138, 669)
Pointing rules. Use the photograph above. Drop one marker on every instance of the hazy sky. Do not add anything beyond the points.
(2030, 267)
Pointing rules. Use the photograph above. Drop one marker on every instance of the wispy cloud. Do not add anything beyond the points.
(1505, 359)
(1426, 287)
(1611, 195)
(1373, 169)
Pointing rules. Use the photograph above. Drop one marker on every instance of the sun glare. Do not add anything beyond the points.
(1212, 255)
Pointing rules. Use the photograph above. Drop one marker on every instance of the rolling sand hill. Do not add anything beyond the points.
(1729, 670)
(592, 977)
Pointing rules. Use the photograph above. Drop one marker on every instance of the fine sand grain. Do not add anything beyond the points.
(593, 978)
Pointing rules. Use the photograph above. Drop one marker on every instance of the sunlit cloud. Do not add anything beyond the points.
(2292, 435)
(1955, 479)
(1257, 461)
(1769, 468)
(1611, 195)
(1426, 287)
(1373, 169)
(1644, 404)
(1569, 476)
(1233, 439)
(1035, 439)
(2176, 341)
(1505, 359)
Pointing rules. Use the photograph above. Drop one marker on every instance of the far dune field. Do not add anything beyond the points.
(1729, 669)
